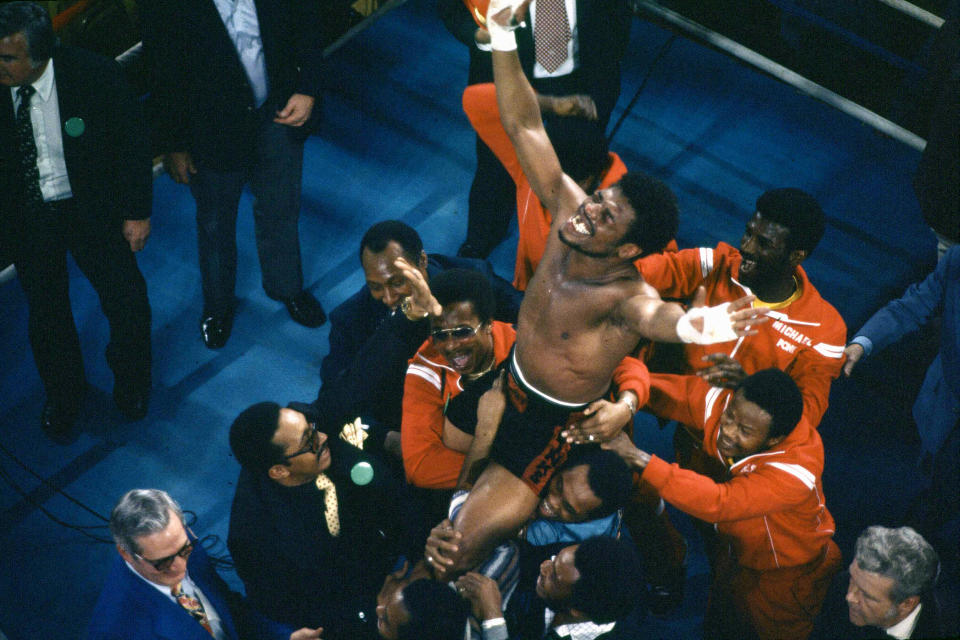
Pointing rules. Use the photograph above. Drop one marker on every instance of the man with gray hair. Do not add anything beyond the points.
(75, 176)
(162, 585)
(891, 585)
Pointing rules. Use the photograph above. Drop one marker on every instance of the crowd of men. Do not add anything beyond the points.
(468, 468)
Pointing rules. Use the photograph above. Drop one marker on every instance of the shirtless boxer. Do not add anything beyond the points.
(585, 309)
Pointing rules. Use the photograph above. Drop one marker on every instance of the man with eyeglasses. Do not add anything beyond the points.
(310, 545)
(465, 343)
(163, 585)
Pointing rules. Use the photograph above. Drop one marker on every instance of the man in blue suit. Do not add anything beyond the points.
(936, 410)
(162, 585)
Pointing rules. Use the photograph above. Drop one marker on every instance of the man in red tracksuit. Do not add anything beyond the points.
(805, 335)
(777, 553)
(438, 372)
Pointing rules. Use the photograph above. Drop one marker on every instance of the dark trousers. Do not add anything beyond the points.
(493, 199)
(106, 260)
(274, 174)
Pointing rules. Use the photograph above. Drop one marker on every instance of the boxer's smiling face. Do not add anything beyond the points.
(599, 224)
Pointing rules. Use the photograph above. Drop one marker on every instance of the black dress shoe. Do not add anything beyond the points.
(132, 400)
(468, 250)
(305, 309)
(57, 421)
(216, 330)
(664, 599)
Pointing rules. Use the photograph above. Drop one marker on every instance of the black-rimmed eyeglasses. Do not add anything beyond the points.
(313, 443)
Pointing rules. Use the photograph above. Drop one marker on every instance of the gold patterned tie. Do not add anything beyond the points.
(193, 606)
(331, 512)
(551, 33)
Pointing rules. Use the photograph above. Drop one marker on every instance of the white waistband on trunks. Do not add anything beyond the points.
(515, 369)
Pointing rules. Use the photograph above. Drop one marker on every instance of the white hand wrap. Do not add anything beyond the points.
(501, 31)
(717, 326)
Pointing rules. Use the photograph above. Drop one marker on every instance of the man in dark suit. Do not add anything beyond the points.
(234, 83)
(580, 592)
(371, 339)
(599, 34)
(889, 589)
(75, 175)
(311, 536)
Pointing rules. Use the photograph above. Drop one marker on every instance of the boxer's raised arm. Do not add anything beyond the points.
(520, 115)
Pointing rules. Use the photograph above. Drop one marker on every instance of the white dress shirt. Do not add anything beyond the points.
(586, 630)
(45, 118)
(904, 629)
(243, 27)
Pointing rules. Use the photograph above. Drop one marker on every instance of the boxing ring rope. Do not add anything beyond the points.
(389, 5)
(792, 78)
(914, 11)
(791, 8)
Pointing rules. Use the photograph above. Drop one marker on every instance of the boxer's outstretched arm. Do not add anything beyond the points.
(663, 321)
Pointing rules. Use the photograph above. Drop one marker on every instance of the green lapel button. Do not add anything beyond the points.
(361, 473)
(74, 127)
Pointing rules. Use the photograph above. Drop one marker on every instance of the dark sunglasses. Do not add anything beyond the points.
(313, 443)
(457, 333)
(165, 563)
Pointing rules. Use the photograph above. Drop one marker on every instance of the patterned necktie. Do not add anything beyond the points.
(193, 606)
(27, 148)
(551, 33)
(331, 512)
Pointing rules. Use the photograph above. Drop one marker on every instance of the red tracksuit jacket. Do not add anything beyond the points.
(805, 339)
(772, 509)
